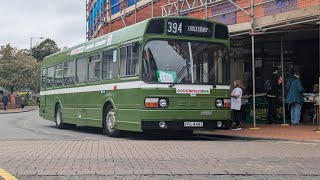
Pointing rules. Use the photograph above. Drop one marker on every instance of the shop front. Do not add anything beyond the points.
(291, 49)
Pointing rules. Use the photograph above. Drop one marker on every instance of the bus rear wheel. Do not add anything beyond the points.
(109, 123)
(59, 123)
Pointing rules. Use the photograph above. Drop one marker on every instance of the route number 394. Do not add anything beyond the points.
(174, 27)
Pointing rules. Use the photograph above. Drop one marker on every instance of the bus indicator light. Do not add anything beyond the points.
(115, 87)
(226, 103)
(151, 102)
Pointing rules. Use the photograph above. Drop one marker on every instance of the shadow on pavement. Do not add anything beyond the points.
(149, 135)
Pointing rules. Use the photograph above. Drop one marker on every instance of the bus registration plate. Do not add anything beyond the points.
(193, 124)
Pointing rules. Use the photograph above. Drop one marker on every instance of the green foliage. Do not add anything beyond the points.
(18, 69)
(45, 48)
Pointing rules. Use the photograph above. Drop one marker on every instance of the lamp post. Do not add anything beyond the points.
(31, 42)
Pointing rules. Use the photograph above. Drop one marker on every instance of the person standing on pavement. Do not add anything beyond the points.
(236, 96)
(295, 98)
(5, 101)
(22, 99)
(273, 92)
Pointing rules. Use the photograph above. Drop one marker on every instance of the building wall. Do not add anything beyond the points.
(266, 13)
(224, 12)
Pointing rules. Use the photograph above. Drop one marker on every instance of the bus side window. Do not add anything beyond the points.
(69, 71)
(43, 79)
(109, 64)
(50, 76)
(129, 60)
(58, 75)
(82, 66)
(94, 67)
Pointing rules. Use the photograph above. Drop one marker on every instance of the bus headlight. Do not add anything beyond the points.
(219, 103)
(163, 103)
(223, 103)
(156, 102)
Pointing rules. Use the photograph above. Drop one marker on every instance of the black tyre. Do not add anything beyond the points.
(58, 118)
(109, 123)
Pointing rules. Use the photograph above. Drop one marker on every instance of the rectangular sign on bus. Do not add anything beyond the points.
(189, 28)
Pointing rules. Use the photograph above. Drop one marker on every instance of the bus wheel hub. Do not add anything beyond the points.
(111, 120)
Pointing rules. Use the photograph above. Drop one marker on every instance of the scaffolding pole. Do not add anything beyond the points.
(282, 74)
(87, 33)
(318, 115)
(152, 8)
(253, 67)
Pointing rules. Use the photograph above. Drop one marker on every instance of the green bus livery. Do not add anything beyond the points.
(164, 73)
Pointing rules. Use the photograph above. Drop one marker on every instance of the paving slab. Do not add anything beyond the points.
(269, 132)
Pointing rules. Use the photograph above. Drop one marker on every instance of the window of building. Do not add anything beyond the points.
(129, 60)
(109, 64)
(50, 76)
(43, 79)
(94, 67)
(58, 75)
(69, 72)
(82, 66)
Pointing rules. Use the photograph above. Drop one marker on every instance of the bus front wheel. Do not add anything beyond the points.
(59, 123)
(109, 123)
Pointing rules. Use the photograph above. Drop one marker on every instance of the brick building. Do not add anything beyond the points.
(285, 30)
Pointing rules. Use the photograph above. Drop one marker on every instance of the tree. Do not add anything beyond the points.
(18, 69)
(45, 48)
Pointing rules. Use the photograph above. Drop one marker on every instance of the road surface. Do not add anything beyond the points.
(32, 148)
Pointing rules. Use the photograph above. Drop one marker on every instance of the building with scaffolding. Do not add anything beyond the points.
(264, 33)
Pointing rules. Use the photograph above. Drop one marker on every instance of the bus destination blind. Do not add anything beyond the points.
(189, 28)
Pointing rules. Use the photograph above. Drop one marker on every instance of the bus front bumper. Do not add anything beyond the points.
(185, 125)
(185, 119)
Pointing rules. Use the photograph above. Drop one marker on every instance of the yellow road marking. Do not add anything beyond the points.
(7, 176)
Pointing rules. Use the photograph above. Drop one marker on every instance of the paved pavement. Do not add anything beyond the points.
(31, 148)
(296, 133)
(19, 110)
(176, 177)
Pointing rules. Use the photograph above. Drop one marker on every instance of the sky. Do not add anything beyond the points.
(63, 21)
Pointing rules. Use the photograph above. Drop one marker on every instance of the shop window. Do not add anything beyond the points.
(69, 72)
(94, 67)
(82, 66)
(109, 64)
(50, 76)
(129, 60)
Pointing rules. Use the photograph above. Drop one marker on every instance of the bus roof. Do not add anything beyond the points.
(111, 39)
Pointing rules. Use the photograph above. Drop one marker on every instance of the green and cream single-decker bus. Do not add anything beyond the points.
(165, 73)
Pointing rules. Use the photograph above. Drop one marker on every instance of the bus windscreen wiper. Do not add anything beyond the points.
(179, 75)
(205, 72)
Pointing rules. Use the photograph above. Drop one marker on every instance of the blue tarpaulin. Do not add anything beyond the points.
(131, 2)
(114, 8)
(94, 17)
